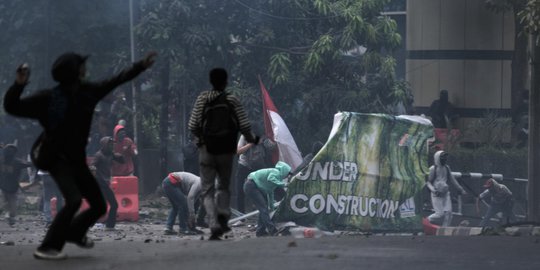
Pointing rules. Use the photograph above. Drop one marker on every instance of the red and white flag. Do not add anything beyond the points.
(276, 129)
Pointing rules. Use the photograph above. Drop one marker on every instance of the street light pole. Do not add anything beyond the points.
(133, 86)
(534, 134)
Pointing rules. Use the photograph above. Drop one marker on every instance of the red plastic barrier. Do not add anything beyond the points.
(429, 228)
(126, 191)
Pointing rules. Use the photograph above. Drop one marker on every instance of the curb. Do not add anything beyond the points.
(468, 231)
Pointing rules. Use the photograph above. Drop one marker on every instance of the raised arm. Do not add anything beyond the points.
(105, 87)
(30, 107)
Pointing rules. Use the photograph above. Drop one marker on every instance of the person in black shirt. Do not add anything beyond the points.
(65, 112)
(442, 112)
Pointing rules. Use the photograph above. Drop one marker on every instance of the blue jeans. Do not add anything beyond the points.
(258, 198)
(50, 190)
(179, 205)
(493, 209)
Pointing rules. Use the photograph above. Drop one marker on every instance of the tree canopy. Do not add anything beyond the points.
(316, 57)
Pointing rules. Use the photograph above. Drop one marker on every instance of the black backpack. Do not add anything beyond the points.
(219, 126)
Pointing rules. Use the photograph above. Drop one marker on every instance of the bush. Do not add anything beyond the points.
(511, 163)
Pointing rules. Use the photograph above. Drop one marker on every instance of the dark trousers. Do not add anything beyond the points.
(201, 211)
(241, 174)
(258, 198)
(75, 182)
(215, 193)
(111, 200)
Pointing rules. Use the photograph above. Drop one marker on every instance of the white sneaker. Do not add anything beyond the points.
(49, 254)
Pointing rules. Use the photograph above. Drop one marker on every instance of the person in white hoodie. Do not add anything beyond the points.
(439, 177)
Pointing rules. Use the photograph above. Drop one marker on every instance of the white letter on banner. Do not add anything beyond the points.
(354, 208)
(384, 208)
(341, 201)
(372, 212)
(347, 173)
(295, 208)
(364, 206)
(339, 166)
(304, 174)
(313, 206)
(394, 205)
(331, 203)
(322, 171)
(354, 172)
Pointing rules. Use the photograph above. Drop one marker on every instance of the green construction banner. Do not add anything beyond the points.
(364, 178)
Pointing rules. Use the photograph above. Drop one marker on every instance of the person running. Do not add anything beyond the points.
(440, 176)
(65, 113)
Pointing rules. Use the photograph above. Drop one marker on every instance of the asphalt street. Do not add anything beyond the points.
(152, 250)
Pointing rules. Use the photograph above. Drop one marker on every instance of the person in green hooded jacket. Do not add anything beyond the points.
(259, 189)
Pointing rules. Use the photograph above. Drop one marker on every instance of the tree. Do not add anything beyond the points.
(318, 57)
(520, 68)
(530, 17)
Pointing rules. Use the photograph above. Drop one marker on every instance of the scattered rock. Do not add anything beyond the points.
(7, 243)
(332, 256)
(148, 240)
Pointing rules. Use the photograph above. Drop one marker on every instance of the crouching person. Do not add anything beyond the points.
(501, 201)
(182, 189)
(259, 189)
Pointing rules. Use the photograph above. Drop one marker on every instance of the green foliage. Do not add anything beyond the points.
(305, 51)
(492, 130)
(510, 162)
(530, 18)
(279, 67)
(315, 57)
